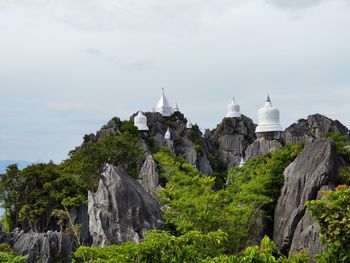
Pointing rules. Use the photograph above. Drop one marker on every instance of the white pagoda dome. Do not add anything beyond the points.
(233, 110)
(140, 121)
(269, 118)
(189, 124)
(167, 135)
(163, 106)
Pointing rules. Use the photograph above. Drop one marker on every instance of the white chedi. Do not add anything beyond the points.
(189, 124)
(167, 135)
(233, 110)
(241, 163)
(269, 118)
(140, 121)
(176, 108)
(163, 106)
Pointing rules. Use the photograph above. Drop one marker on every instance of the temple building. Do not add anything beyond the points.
(269, 125)
(140, 121)
(233, 110)
(163, 106)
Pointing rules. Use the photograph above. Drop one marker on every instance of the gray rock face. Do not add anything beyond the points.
(50, 247)
(262, 146)
(314, 127)
(180, 143)
(121, 210)
(80, 216)
(149, 175)
(313, 169)
(231, 138)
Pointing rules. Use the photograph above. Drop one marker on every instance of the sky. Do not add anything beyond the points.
(67, 67)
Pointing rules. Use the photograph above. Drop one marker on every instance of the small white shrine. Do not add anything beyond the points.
(189, 124)
(140, 121)
(233, 110)
(167, 135)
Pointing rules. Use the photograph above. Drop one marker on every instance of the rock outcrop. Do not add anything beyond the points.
(314, 169)
(262, 146)
(149, 177)
(314, 127)
(231, 138)
(49, 247)
(121, 209)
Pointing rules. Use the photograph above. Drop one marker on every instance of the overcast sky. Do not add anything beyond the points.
(67, 67)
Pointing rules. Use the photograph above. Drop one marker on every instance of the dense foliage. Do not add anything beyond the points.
(8, 256)
(203, 224)
(38, 196)
(332, 213)
(158, 246)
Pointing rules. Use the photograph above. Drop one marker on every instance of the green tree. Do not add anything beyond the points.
(332, 213)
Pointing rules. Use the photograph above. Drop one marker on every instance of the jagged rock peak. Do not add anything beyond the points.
(121, 209)
(231, 138)
(312, 170)
(313, 127)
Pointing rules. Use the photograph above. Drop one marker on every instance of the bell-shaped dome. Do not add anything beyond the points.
(189, 124)
(269, 118)
(233, 110)
(167, 135)
(176, 108)
(140, 121)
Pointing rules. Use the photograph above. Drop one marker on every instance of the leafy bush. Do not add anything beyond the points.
(8, 256)
(332, 213)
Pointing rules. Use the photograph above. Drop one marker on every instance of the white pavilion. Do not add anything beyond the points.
(163, 106)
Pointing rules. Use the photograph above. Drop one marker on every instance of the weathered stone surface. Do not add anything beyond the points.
(231, 138)
(262, 146)
(306, 234)
(79, 216)
(49, 247)
(121, 210)
(314, 168)
(314, 127)
(149, 177)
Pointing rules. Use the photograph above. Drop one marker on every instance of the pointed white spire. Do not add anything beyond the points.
(140, 121)
(242, 162)
(163, 106)
(167, 135)
(189, 124)
(233, 110)
(176, 107)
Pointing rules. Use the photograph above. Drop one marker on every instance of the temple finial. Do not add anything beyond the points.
(268, 97)
(163, 90)
(233, 98)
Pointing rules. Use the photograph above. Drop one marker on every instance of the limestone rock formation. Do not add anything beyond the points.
(314, 168)
(121, 209)
(49, 247)
(262, 146)
(149, 177)
(231, 138)
(314, 127)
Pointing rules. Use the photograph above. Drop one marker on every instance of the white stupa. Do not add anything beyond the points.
(167, 135)
(189, 124)
(140, 121)
(242, 162)
(233, 110)
(269, 118)
(176, 108)
(163, 106)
